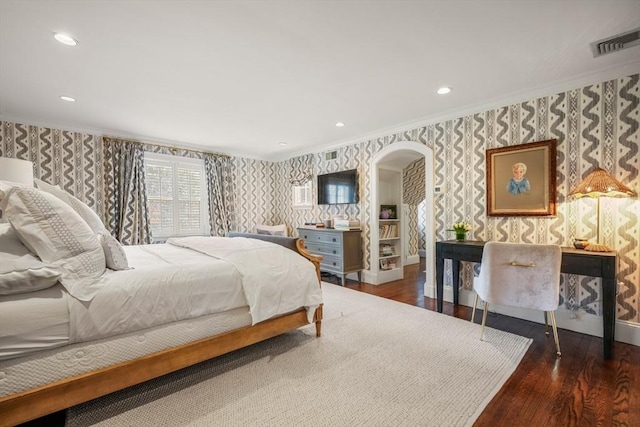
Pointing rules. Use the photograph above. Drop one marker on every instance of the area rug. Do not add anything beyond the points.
(378, 363)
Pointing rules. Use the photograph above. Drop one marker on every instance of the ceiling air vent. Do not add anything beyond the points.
(616, 43)
(331, 155)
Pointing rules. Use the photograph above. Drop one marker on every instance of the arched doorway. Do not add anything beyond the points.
(397, 156)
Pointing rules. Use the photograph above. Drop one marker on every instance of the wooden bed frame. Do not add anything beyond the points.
(40, 401)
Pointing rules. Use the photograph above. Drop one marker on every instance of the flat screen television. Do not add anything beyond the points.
(338, 187)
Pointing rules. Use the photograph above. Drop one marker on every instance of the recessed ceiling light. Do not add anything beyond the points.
(65, 39)
(282, 143)
(444, 90)
(67, 98)
(340, 124)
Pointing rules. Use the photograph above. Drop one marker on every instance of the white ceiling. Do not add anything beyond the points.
(241, 76)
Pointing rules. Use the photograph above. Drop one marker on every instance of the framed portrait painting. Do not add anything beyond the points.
(521, 180)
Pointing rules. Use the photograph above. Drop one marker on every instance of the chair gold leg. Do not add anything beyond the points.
(555, 333)
(475, 303)
(546, 324)
(484, 319)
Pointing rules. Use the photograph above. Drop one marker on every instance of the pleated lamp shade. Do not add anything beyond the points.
(598, 184)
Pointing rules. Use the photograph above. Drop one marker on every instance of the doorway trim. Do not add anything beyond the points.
(426, 152)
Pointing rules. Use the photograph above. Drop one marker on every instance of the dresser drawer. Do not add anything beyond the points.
(331, 263)
(323, 249)
(320, 237)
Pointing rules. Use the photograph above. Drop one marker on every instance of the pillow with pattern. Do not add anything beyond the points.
(114, 254)
(59, 236)
(88, 214)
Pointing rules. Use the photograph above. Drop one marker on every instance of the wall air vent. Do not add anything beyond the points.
(616, 43)
(331, 155)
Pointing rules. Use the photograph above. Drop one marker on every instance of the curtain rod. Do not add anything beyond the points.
(172, 148)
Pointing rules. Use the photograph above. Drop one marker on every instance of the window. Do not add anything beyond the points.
(176, 195)
(301, 196)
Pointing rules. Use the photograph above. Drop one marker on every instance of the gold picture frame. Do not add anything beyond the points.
(521, 179)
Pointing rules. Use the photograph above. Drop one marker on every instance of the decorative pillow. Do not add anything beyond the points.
(114, 253)
(59, 236)
(20, 270)
(5, 186)
(82, 209)
(272, 230)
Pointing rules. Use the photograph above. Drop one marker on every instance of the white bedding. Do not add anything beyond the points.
(167, 283)
(275, 279)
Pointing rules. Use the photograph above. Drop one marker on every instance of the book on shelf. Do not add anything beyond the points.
(386, 250)
(388, 231)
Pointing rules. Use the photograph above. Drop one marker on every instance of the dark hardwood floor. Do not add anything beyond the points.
(580, 389)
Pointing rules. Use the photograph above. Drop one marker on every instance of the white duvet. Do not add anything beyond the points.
(275, 279)
(195, 276)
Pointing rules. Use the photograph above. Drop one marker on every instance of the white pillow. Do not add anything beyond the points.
(20, 270)
(5, 186)
(114, 253)
(59, 236)
(81, 208)
(272, 230)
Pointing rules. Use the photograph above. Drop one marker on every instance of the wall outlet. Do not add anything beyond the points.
(439, 189)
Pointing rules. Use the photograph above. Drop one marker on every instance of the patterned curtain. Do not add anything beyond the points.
(126, 211)
(301, 169)
(220, 191)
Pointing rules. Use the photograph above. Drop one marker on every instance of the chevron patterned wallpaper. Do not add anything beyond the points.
(594, 125)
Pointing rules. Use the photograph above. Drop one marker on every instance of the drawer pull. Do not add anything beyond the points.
(334, 251)
(334, 239)
(305, 236)
(334, 264)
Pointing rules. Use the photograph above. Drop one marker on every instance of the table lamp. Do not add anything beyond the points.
(16, 170)
(600, 184)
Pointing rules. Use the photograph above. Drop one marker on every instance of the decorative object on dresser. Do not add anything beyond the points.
(341, 250)
(595, 185)
(346, 224)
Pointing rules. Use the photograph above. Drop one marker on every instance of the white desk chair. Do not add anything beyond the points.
(520, 275)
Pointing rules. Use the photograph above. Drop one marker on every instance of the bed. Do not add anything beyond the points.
(82, 334)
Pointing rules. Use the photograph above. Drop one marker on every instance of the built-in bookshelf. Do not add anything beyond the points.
(389, 254)
(388, 261)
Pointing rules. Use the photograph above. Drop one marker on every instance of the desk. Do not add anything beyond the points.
(574, 261)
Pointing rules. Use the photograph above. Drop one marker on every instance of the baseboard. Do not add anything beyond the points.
(413, 259)
(583, 323)
(382, 276)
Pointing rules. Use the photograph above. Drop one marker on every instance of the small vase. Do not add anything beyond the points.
(461, 236)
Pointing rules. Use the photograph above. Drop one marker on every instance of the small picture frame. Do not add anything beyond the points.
(521, 180)
(388, 212)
